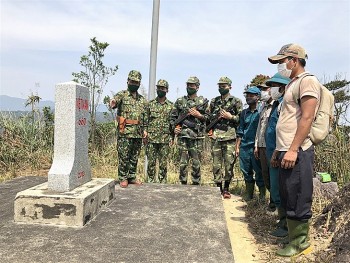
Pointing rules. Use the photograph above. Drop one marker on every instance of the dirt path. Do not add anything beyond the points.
(242, 241)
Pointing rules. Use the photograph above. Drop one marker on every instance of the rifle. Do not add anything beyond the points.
(217, 118)
(182, 118)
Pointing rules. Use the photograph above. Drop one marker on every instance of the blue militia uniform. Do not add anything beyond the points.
(248, 124)
(270, 139)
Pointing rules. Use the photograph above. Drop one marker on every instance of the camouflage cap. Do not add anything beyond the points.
(162, 83)
(289, 50)
(135, 75)
(193, 79)
(225, 80)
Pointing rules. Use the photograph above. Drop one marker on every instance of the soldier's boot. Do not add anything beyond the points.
(226, 194)
(262, 193)
(298, 239)
(249, 191)
(271, 207)
(282, 229)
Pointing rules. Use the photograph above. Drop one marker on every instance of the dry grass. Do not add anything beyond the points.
(26, 149)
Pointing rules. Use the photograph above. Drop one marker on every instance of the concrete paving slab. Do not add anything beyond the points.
(148, 223)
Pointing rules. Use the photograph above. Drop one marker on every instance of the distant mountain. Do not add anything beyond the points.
(8, 103)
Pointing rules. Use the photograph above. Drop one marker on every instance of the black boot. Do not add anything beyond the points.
(272, 206)
(249, 191)
(226, 194)
(282, 229)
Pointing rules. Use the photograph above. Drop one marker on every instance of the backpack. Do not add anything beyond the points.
(322, 122)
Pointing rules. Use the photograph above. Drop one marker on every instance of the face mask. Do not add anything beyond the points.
(275, 94)
(265, 96)
(161, 93)
(223, 91)
(191, 91)
(133, 88)
(282, 69)
(250, 101)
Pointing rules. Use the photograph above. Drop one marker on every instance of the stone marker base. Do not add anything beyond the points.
(39, 205)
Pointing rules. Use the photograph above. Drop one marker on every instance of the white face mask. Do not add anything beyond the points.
(265, 95)
(282, 69)
(275, 94)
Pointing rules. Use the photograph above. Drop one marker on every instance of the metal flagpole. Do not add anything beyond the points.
(154, 46)
(153, 58)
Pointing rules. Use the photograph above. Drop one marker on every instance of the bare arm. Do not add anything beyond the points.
(308, 106)
(238, 144)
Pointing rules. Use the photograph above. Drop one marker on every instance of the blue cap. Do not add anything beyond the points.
(278, 78)
(253, 90)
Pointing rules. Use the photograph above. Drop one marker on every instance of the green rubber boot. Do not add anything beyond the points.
(298, 239)
(249, 191)
(282, 229)
(284, 240)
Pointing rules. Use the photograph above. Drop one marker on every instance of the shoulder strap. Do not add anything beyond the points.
(296, 87)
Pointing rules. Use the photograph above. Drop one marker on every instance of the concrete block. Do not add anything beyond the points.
(71, 166)
(75, 208)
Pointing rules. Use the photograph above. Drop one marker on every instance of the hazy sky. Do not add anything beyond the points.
(42, 40)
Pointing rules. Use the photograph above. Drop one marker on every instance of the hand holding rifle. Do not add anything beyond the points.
(195, 113)
(225, 114)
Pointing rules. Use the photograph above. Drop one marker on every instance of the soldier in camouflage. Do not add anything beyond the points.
(190, 132)
(224, 110)
(131, 116)
(159, 136)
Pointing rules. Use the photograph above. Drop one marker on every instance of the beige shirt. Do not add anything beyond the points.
(291, 112)
(263, 120)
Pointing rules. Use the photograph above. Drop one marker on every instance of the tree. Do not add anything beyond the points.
(95, 76)
(341, 92)
(111, 113)
(257, 80)
(32, 100)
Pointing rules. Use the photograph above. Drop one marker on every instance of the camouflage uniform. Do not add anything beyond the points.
(130, 140)
(224, 135)
(159, 136)
(190, 139)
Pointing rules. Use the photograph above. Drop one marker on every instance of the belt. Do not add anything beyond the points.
(128, 121)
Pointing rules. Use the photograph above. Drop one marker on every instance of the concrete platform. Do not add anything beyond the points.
(149, 223)
(39, 205)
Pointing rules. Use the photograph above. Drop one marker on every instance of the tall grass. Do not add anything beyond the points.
(333, 156)
(26, 144)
